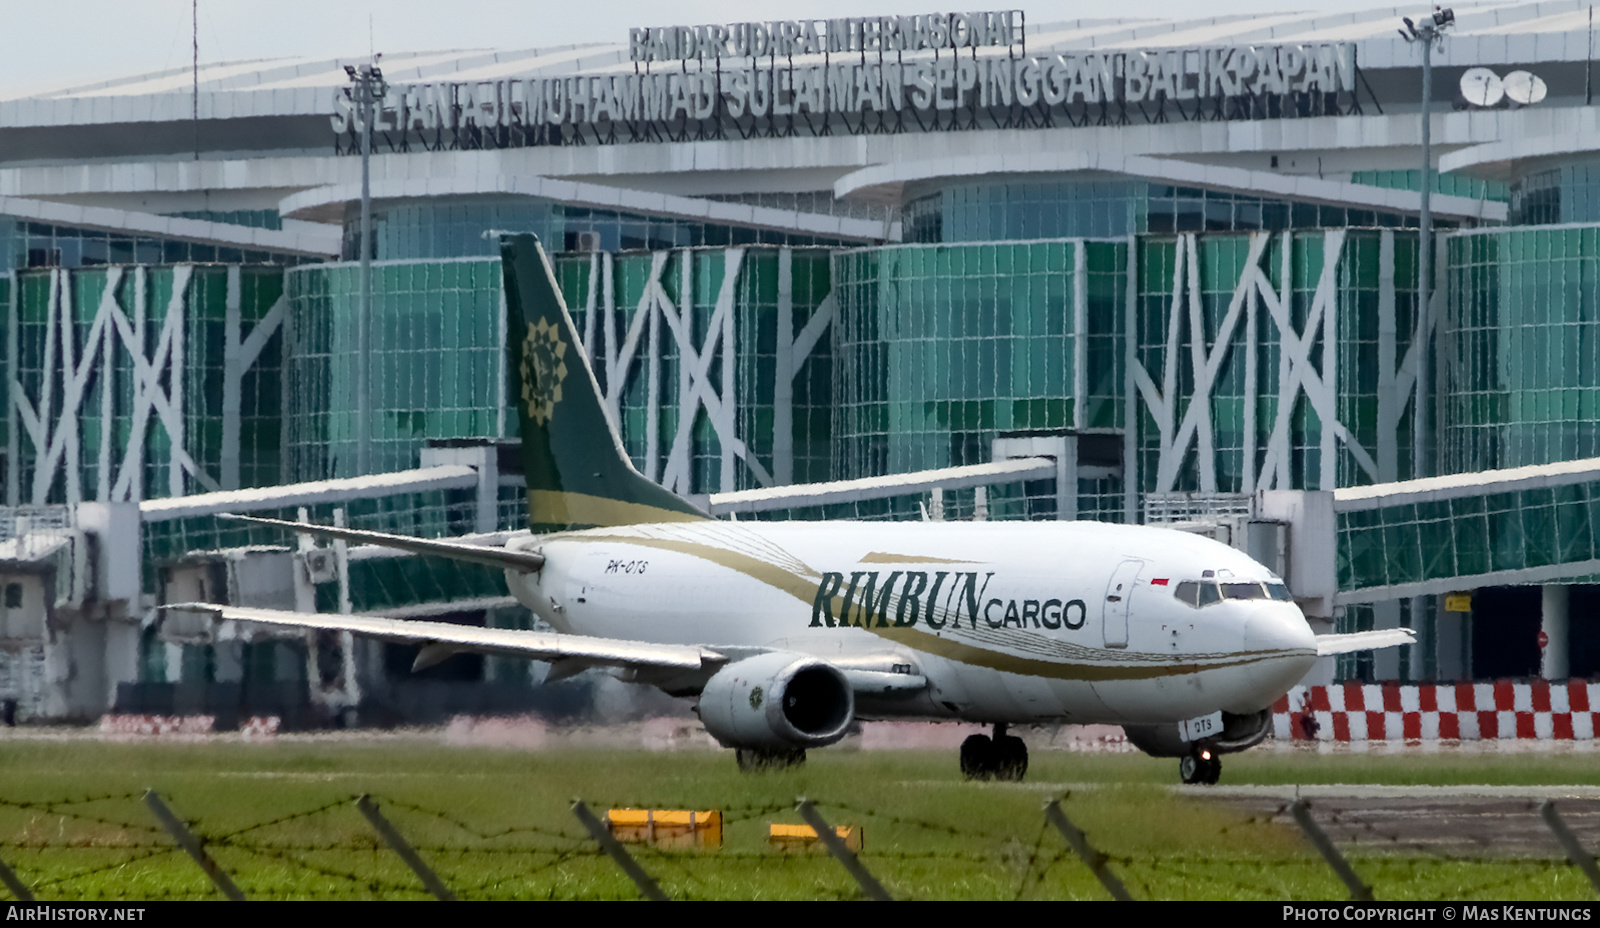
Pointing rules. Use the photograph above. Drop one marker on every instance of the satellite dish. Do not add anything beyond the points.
(1524, 88)
(1482, 87)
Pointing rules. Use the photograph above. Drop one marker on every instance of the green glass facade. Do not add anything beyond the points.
(28, 244)
(1558, 193)
(1255, 390)
(1024, 208)
(1520, 348)
(437, 367)
(81, 340)
(672, 302)
(941, 348)
(1454, 185)
(249, 218)
(1418, 542)
(455, 227)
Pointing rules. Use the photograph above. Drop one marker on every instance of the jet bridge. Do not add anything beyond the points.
(1523, 525)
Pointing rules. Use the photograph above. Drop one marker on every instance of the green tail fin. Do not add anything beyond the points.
(577, 472)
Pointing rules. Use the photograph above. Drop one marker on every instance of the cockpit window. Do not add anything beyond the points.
(1197, 594)
(1243, 591)
(1205, 592)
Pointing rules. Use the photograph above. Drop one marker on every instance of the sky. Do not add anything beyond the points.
(45, 46)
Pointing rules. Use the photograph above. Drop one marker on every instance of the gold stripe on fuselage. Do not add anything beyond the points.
(880, 557)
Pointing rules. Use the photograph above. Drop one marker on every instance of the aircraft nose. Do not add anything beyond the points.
(1284, 646)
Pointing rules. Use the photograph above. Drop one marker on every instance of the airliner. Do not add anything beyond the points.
(787, 633)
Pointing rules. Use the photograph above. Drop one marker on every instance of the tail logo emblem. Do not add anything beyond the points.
(543, 369)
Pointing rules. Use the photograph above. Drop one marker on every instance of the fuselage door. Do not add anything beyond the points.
(1119, 594)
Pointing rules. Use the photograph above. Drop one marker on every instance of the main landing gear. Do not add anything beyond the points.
(753, 760)
(1203, 767)
(1003, 757)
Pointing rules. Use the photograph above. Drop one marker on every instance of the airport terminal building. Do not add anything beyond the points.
(1178, 260)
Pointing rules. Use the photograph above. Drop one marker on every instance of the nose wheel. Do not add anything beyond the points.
(1003, 757)
(1203, 767)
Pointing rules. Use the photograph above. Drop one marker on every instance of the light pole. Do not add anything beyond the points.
(1427, 34)
(369, 89)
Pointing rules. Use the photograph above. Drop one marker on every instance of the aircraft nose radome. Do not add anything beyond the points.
(1282, 632)
(1278, 627)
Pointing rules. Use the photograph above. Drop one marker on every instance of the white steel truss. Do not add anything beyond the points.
(50, 420)
(616, 350)
(1308, 365)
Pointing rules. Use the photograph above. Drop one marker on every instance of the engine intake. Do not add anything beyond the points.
(779, 700)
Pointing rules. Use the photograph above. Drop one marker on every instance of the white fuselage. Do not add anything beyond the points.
(1008, 621)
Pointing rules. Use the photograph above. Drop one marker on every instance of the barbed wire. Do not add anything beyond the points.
(114, 865)
(471, 829)
(577, 850)
(54, 807)
(1514, 879)
(1185, 871)
(892, 819)
(374, 885)
(1033, 857)
(677, 864)
(541, 849)
(293, 816)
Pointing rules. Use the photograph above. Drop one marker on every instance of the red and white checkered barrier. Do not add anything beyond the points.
(157, 724)
(260, 726)
(257, 726)
(1501, 710)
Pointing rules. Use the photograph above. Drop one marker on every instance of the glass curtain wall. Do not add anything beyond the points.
(942, 348)
(196, 354)
(1416, 542)
(1027, 208)
(1362, 292)
(689, 286)
(1520, 348)
(437, 367)
(27, 244)
(1558, 193)
(456, 227)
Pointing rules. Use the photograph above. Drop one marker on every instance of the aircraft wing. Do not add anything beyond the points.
(439, 640)
(688, 665)
(1364, 641)
(487, 555)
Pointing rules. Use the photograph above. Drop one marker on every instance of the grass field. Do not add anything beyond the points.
(497, 824)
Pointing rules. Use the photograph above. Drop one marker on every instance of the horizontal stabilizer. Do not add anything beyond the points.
(440, 637)
(1364, 641)
(487, 555)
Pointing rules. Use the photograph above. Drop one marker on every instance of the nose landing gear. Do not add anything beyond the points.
(1203, 767)
(1003, 757)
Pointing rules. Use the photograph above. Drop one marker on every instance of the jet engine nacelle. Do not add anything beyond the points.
(1238, 733)
(781, 701)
